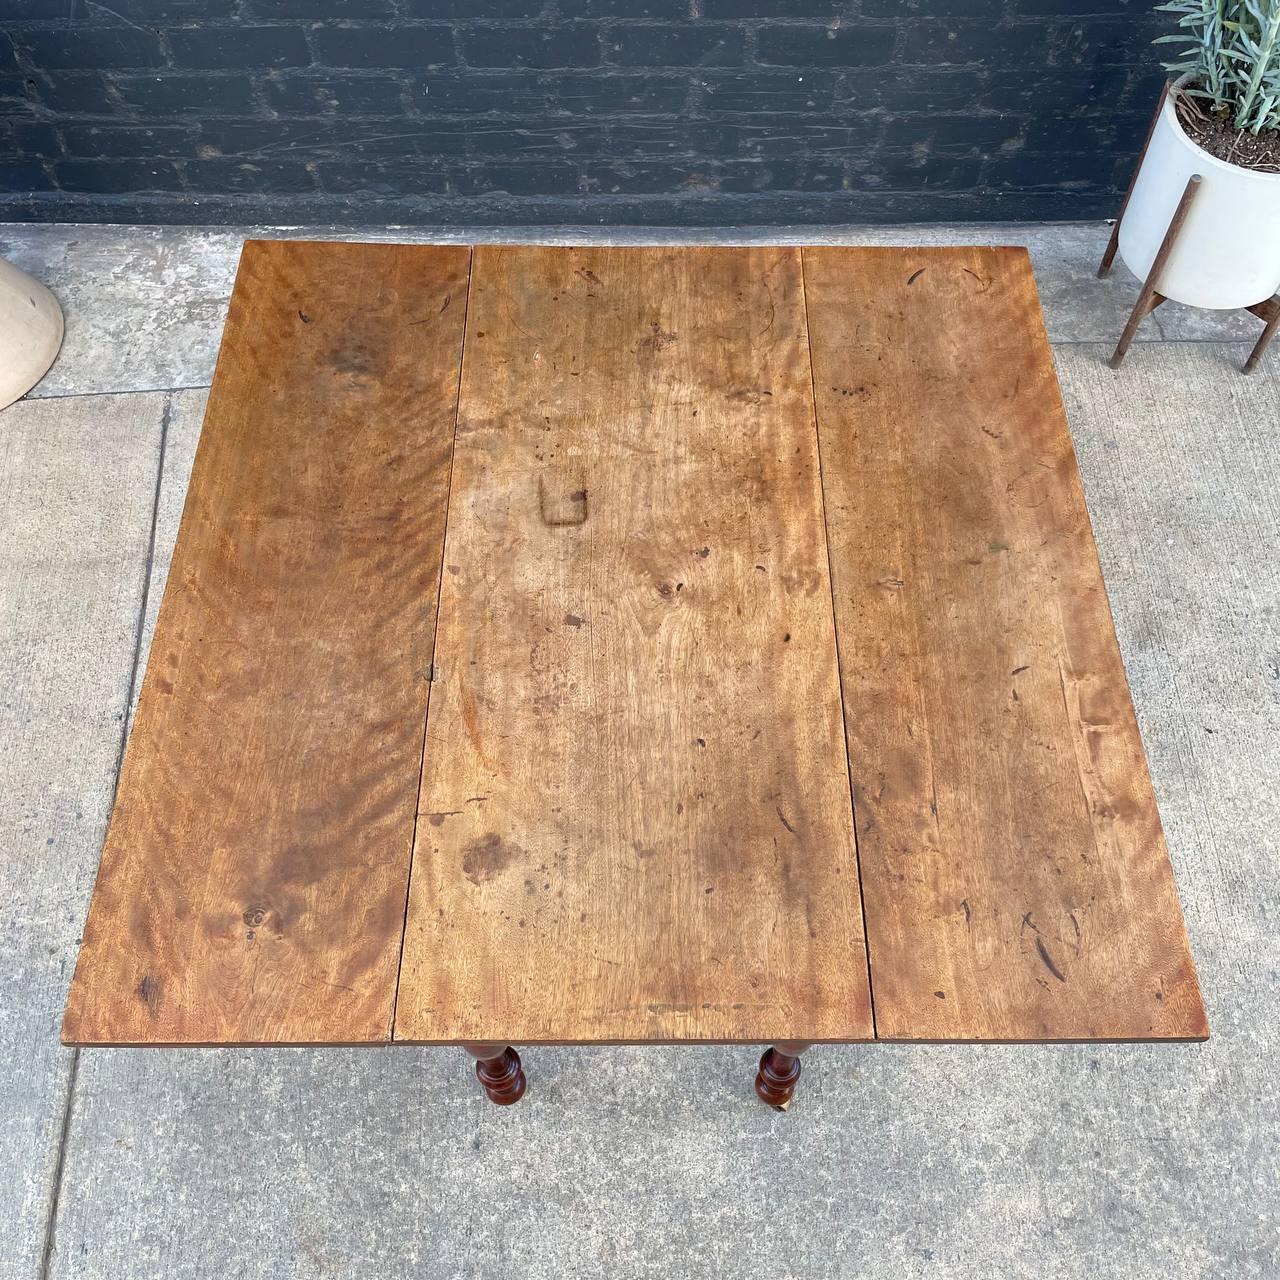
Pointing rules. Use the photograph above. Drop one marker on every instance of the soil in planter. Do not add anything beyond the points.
(1220, 138)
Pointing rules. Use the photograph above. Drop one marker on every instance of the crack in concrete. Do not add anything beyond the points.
(49, 1246)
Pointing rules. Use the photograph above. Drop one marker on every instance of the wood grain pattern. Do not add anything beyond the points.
(635, 816)
(1016, 880)
(253, 882)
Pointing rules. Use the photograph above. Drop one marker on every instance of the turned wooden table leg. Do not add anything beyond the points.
(498, 1069)
(779, 1072)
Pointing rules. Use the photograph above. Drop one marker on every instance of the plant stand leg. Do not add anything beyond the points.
(499, 1071)
(1114, 243)
(1145, 305)
(778, 1074)
(1270, 312)
(1149, 299)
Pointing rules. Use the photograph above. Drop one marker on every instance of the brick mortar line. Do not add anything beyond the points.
(916, 21)
(286, 205)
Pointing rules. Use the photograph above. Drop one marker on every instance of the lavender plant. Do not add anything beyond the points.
(1232, 50)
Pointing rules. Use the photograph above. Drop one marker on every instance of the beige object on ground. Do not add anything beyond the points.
(30, 332)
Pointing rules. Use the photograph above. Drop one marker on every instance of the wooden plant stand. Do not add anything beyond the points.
(1149, 296)
(716, 653)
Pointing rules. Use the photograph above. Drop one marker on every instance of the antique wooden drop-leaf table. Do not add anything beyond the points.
(611, 645)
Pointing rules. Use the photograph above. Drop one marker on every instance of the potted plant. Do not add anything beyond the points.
(1201, 222)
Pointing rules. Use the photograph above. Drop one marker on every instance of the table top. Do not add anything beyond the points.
(625, 645)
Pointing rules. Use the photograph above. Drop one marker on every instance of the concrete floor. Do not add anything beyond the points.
(904, 1161)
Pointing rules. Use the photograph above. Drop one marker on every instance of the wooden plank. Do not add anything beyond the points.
(1016, 880)
(635, 810)
(253, 883)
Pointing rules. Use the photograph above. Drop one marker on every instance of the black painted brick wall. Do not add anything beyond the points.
(540, 111)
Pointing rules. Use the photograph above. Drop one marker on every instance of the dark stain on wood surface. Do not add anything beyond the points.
(1043, 952)
(487, 857)
(560, 505)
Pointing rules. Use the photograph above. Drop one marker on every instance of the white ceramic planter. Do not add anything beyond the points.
(1228, 252)
(30, 332)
